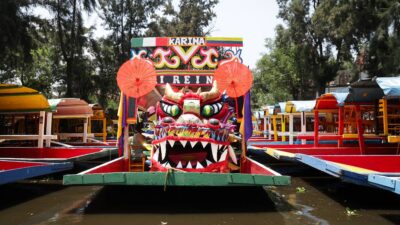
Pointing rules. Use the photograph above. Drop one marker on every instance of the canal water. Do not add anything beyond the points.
(313, 198)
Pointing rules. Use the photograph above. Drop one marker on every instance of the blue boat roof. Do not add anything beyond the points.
(389, 85)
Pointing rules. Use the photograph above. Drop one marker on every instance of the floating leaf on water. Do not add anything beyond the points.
(351, 212)
(300, 189)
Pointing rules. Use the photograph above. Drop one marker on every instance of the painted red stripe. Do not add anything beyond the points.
(162, 41)
(309, 150)
(9, 165)
(56, 153)
(377, 163)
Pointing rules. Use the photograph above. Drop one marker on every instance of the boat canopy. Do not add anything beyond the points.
(98, 111)
(70, 108)
(364, 91)
(389, 85)
(299, 106)
(259, 114)
(16, 98)
(269, 110)
(330, 101)
(282, 106)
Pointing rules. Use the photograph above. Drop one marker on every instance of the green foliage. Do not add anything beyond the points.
(322, 40)
(60, 57)
(126, 19)
(192, 19)
(40, 75)
(17, 32)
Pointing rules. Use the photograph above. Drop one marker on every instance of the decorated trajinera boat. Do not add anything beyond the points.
(199, 92)
(361, 124)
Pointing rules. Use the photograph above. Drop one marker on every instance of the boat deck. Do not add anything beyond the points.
(115, 173)
(378, 166)
(55, 154)
(11, 171)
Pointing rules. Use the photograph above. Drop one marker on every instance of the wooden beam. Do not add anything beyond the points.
(26, 137)
(49, 119)
(360, 130)
(126, 142)
(385, 116)
(104, 130)
(316, 127)
(85, 130)
(303, 120)
(269, 128)
(291, 129)
(265, 127)
(42, 116)
(283, 127)
(341, 125)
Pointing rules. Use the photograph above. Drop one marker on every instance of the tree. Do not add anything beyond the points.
(192, 19)
(71, 36)
(17, 29)
(126, 19)
(105, 72)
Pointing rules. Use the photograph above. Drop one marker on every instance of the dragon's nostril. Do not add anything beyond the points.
(214, 122)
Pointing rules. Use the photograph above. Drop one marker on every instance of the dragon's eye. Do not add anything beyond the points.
(175, 110)
(212, 109)
(172, 110)
(207, 111)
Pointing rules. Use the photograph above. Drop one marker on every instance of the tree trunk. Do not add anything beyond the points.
(69, 77)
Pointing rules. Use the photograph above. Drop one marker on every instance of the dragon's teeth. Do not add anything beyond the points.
(156, 154)
(167, 165)
(163, 146)
(171, 143)
(183, 143)
(189, 165)
(199, 166)
(214, 149)
(223, 156)
(204, 143)
(179, 166)
(208, 162)
(232, 154)
(193, 143)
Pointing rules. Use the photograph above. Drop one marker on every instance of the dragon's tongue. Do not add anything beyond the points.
(187, 156)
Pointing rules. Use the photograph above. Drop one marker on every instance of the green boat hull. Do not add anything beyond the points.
(175, 179)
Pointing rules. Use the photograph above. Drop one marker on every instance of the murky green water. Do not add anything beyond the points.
(311, 199)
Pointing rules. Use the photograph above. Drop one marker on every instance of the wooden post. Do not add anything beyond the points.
(89, 129)
(360, 130)
(85, 129)
(291, 129)
(49, 119)
(341, 125)
(275, 128)
(265, 127)
(385, 116)
(42, 115)
(316, 127)
(269, 128)
(104, 130)
(283, 127)
(303, 126)
(126, 142)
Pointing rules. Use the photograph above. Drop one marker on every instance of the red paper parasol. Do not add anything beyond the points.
(136, 77)
(233, 77)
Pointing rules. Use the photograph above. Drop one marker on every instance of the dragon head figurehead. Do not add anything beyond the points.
(192, 133)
